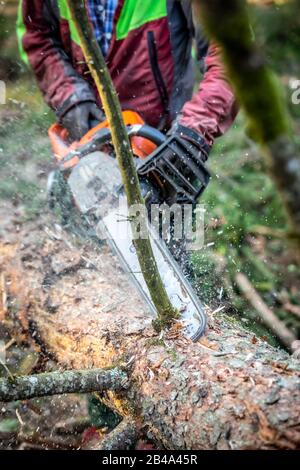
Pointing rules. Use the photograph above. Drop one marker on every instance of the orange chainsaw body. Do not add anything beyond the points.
(61, 145)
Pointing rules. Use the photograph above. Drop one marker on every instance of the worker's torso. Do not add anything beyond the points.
(149, 55)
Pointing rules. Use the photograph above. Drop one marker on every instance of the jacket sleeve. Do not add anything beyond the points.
(213, 107)
(39, 40)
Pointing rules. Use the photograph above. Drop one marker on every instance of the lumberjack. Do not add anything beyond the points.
(148, 50)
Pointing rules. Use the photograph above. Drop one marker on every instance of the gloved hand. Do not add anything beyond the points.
(196, 141)
(178, 164)
(81, 118)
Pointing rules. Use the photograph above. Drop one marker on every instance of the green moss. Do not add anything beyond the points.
(152, 342)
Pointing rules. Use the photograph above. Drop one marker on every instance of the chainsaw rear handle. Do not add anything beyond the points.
(103, 137)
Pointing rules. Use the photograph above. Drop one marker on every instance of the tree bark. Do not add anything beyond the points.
(230, 390)
(261, 96)
(123, 437)
(121, 143)
(56, 383)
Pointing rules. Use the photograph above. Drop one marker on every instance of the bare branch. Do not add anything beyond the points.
(54, 383)
(265, 313)
(123, 437)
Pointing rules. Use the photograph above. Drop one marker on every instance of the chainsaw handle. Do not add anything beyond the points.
(135, 130)
(140, 130)
(103, 137)
(148, 132)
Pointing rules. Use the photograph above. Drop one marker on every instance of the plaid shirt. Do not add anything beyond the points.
(102, 13)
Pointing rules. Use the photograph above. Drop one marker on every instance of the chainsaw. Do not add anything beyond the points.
(89, 173)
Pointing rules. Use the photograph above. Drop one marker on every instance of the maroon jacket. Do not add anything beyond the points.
(150, 62)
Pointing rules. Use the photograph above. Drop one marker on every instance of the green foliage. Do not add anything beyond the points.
(7, 29)
(246, 220)
(10, 63)
(24, 148)
(241, 201)
(100, 415)
(278, 30)
(8, 426)
(256, 86)
(2, 30)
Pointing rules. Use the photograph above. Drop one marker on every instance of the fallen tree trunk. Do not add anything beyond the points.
(230, 390)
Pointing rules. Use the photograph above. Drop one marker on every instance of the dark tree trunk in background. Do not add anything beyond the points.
(261, 96)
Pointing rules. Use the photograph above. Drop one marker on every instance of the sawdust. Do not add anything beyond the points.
(71, 283)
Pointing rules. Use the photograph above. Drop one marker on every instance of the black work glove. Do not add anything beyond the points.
(196, 141)
(178, 164)
(81, 118)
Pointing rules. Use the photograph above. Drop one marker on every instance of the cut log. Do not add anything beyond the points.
(228, 391)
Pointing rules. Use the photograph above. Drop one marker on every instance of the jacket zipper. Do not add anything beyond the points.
(159, 81)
